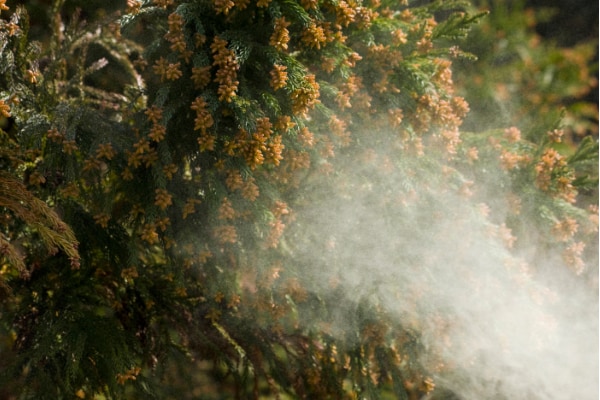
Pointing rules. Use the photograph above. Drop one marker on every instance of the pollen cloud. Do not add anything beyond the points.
(495, 321)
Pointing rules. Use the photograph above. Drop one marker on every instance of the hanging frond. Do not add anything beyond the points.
(39, 217)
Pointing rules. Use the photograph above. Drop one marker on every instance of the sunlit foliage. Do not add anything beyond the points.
(161, 169)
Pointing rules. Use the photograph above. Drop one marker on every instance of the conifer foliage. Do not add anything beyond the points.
(158, 171)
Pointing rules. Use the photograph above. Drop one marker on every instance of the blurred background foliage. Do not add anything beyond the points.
(537, 61)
